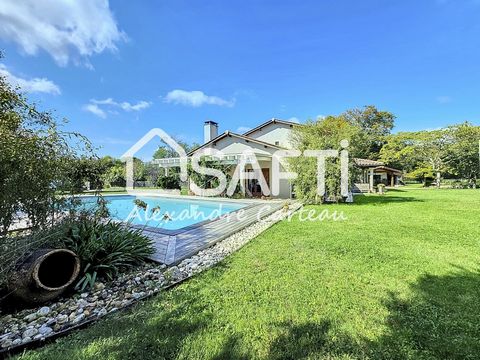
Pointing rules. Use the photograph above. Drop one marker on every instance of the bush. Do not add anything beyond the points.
(169, 182)
(104, 248)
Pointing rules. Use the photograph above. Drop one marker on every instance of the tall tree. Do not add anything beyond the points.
(464, 152)
(375, 124)
(399, 152)
(432, 146)
(421, 150)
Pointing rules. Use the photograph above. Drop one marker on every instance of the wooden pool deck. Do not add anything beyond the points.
(172, 248)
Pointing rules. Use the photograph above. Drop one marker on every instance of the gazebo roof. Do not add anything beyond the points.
(367, 163)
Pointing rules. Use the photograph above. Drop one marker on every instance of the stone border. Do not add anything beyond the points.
(32, 328)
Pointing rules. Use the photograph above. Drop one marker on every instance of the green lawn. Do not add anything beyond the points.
(398, 279)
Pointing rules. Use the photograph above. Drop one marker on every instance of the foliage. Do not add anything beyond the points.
(104, 248)
(452, 151)
(421, 173)
(140, 203)
(82, 170)
(35, 159)
(420, 153)
(375, 126)
(209, 181)
(464, 153)
(158, 176)
(101, 210)
(170, 181)
(139, 173)
(399, 152)
(164, 151)
(325, 134)
(115, 175)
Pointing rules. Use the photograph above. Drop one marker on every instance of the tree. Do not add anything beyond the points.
(418, 150)
(170, 180)
(432, 147)
(115, 175)
(35, 155)
(464, 151)
(423, 173)
(139, 173)
(399, 152)
(164, 151)
(324, 134)
(375, 125)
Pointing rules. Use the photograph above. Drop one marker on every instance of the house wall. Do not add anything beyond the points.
(273, 133)
(233, 145)
(285, 187)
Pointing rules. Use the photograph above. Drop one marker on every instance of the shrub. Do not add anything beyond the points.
(105, 248)
(172, 181)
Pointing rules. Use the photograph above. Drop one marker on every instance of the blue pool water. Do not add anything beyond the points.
(181, 212)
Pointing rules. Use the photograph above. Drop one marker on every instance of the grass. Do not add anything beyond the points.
(398, 279)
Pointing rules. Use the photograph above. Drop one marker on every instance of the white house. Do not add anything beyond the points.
(263, 141)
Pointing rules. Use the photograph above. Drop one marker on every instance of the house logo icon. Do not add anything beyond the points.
(129, 155)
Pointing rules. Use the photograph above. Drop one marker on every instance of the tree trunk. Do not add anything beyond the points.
(437, 180)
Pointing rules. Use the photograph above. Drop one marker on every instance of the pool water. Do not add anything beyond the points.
(173, 214)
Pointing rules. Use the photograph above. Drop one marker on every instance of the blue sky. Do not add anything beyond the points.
(118, 69)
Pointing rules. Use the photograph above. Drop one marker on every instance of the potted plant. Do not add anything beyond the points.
(381, 189)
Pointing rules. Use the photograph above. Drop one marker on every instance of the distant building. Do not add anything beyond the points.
(374, 173)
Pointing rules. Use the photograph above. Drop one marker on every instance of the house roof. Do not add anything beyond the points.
(367, 163)
(376, 165)
(271, 121)
(231, 134)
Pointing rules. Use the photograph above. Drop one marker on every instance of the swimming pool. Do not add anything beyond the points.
(173, 214)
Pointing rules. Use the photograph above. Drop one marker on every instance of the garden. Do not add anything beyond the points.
(398, 279)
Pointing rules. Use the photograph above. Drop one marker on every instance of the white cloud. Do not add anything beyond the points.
(95, 106)
(294, 119)
(95, 109)
(137, 107)
(444, 99)
(64, 29)
(243, 129)
(108, 101)
(195, 99)
(33, 85)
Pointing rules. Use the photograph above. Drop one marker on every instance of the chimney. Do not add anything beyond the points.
(210, 130)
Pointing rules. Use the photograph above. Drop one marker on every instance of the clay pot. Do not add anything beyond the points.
(44, 275)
